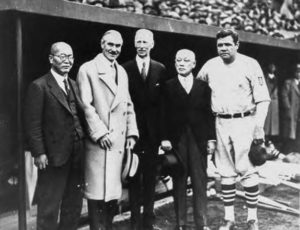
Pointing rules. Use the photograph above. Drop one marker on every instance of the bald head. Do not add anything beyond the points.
(185, 53)
(59, 46)
(111, 44)
(185, 62)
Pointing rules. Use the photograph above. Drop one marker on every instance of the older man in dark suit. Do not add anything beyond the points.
(189, 129)
(55, 133)
(145, 78)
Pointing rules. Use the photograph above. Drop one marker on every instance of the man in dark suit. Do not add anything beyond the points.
(189, 129)
(145, 77)
(55, 137)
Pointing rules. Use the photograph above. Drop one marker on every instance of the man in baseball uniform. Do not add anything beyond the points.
(240, 101)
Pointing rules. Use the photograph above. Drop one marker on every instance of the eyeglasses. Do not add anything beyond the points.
(64, 57)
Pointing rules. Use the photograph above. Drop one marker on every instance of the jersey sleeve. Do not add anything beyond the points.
(258, 83)
(203, 73)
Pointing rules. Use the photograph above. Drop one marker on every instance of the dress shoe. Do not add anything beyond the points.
(228, 225)
(252, 225)
(206, 228)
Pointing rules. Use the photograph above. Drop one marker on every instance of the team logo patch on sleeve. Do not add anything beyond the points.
(260, 80)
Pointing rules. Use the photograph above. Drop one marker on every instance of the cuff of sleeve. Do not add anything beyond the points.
(214, 141)
(259, 133)
(97, 135)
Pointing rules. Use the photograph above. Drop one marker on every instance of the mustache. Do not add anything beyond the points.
(113, 52)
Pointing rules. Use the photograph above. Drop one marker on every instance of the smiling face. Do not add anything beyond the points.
(111, 45)
(227, 49)
(61, 58)
(185, 62)
(143, 43)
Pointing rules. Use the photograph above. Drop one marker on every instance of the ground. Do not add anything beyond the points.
(268, 219)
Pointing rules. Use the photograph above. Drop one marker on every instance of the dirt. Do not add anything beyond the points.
(268, 219)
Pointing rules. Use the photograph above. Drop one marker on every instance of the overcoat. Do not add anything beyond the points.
(290, 103)
(272, 120)
(108, 109)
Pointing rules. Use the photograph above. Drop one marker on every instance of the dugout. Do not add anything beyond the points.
(29, 27)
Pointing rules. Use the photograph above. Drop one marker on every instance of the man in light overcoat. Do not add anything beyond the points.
(111, 125)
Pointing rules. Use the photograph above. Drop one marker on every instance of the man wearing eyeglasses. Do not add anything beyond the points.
(54, 130)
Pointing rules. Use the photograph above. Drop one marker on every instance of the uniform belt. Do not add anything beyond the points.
(234, 115)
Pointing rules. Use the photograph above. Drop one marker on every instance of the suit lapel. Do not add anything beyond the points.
(137, 73)
(179, 88)
(74, 89)
(119, 88)
(152, 76)
(105, 74)
(57, 91)
(194, 90)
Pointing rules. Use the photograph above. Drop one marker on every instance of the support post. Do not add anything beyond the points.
(20, 148)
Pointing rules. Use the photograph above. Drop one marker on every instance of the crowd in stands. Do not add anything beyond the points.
(258, 16)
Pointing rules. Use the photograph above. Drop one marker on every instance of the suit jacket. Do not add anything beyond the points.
(291, 106)
(146, 97)
(49, 120)
(108, 109)
(193, 110)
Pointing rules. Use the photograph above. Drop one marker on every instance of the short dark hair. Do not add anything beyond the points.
(228, 32)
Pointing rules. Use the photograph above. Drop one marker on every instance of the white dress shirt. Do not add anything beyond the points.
(186, 82)
(140, 62)
(59, 79)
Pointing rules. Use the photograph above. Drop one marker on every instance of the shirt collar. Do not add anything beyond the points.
(187, 78)
(140, 60)
(105, 61)
(59, 78)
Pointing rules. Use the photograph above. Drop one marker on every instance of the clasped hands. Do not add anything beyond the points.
(105, 142)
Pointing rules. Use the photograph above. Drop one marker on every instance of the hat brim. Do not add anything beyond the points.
(130, 165)
(171, 163)
(134, 165)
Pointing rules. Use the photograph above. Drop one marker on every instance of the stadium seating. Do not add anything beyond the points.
(258, 16)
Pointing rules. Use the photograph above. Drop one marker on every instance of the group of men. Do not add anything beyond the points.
(78, 131)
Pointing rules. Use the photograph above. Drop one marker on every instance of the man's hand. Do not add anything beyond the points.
(105, 142)
(166, 145)
(41, 161)
(211, 146)
(130, 143)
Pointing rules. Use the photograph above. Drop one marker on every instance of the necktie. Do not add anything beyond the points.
(67, 89)
(143, 71)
